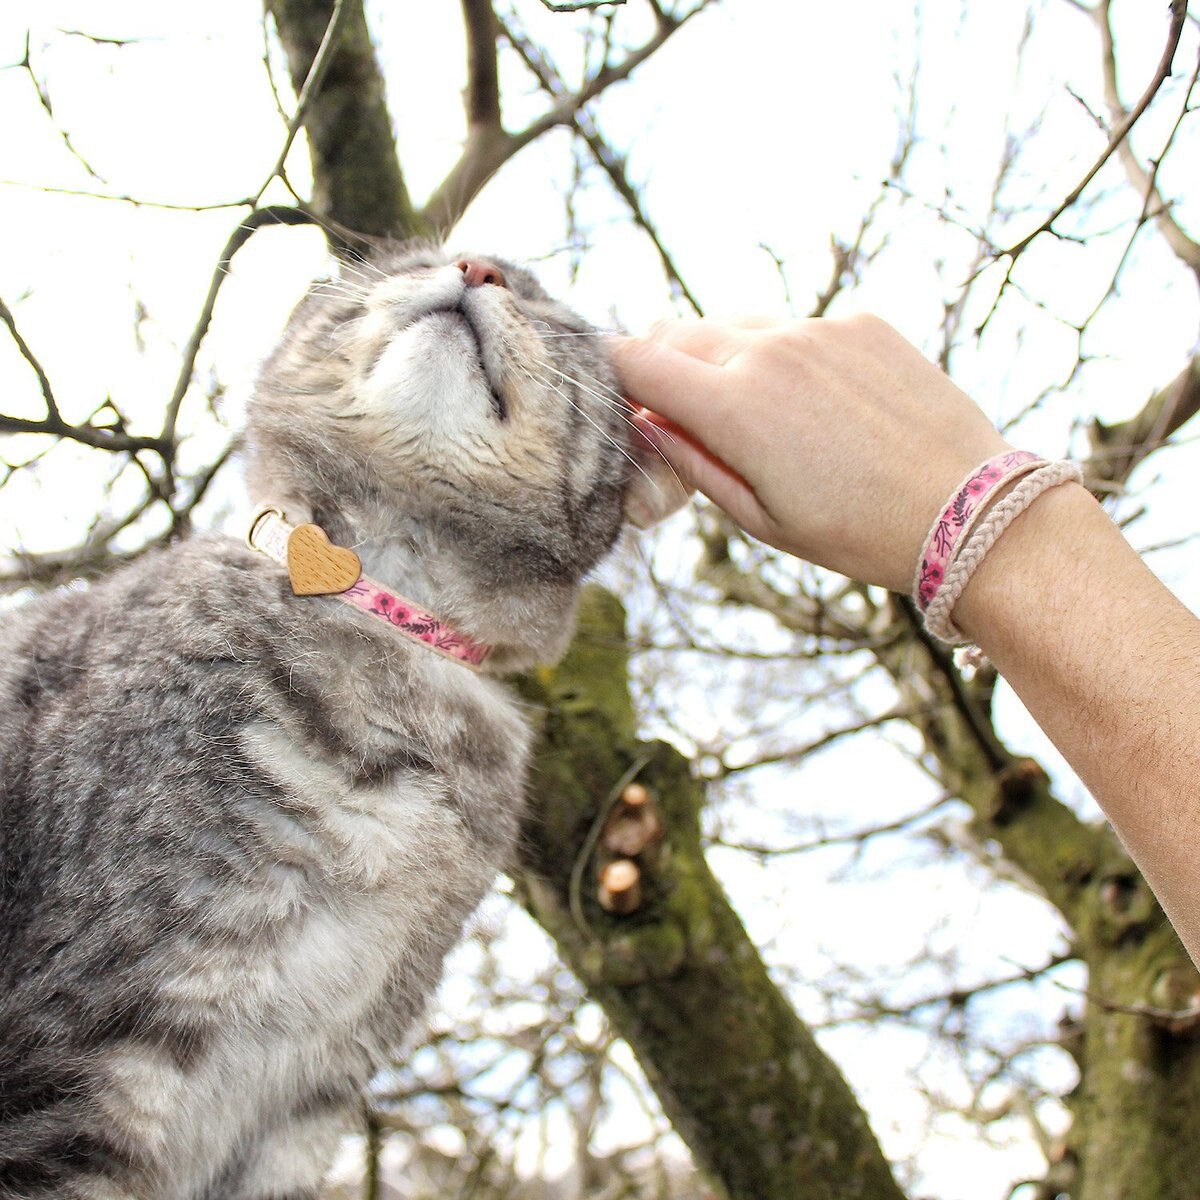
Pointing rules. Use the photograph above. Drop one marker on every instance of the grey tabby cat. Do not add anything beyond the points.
(240, 829)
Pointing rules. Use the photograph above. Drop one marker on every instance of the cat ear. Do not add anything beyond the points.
(656, 491)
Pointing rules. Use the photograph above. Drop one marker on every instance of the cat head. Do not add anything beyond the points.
(449, 403)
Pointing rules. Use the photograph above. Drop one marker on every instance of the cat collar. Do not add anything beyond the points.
(316, 567)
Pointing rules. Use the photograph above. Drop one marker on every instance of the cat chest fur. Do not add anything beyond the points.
(243, 860)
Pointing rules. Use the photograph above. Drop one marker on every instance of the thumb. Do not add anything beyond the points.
(683, 389)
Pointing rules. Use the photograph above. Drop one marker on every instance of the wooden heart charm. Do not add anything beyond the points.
(316, 567)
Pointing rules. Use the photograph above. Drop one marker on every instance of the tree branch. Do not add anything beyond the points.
(237, 239)
(856, 838)
(53, 416)
(311, 86)
(741, 1078)
(561, 6)
(551, 82)
(483, 79)
(1117, 449)
(1187, 250)
(486, 150)
(1119, 134)
(357, 180)
(1011, 797)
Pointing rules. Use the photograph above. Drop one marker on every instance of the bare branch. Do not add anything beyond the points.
(560, 6)
(956, 997)
(610, 162)
(357, 180)
(1175, 1020)
(855, 838)
(312, 84)
(1119, 134)
(43, 96)
(97, 40)
(799, 753)
(53, 424)
(1117, 449)
(98, 436)
(1184, 247)
(487, 150)
(136, 201)
(237, 239)
(52, 413)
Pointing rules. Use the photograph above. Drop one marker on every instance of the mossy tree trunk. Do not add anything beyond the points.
(741, 1077)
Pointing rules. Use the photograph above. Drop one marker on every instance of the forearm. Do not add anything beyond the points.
(775, 421)
(1108, 663)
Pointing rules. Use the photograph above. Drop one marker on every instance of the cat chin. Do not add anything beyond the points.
(427, 386)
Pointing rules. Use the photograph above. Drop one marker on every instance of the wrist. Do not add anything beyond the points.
(1032, 565)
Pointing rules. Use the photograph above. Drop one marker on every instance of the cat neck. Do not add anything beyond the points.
(524, 621)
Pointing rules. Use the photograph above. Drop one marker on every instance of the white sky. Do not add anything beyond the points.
(766, 121)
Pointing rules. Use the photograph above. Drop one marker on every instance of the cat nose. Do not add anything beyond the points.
(478, 271)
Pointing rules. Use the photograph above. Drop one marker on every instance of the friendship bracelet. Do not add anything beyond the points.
(954, 522)
(969, 550)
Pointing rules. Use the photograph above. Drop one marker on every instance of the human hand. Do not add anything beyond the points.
(834, 440)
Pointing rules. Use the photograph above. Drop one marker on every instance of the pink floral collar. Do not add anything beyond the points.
(316, 567)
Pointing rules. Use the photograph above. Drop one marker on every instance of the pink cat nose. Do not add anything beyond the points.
(478, 271)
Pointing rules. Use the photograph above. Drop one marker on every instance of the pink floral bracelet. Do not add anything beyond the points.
(967, 528)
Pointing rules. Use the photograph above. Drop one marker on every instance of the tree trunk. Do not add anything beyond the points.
(357, 181)
(1137, 1107)
(742, 1079)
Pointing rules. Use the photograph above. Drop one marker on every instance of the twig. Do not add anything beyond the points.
(134, 200)
(856, 838)
(566, 6)
(241, 234)
(1183, 246)
(52, 413)
(1119, 134)
(1181, 1018)
(43, 96)
(797, 755)
(551, 81)
(957, 998)
(484, 155)
(312, 83)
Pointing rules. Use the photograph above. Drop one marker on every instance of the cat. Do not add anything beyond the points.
(240, 828)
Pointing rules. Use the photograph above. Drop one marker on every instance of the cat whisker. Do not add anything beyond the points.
(609, 395)
(621, 409)
(558, 387)
(547, 333)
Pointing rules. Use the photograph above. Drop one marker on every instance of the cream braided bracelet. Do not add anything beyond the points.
(964, 531)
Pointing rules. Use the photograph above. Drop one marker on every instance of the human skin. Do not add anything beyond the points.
(837, 441)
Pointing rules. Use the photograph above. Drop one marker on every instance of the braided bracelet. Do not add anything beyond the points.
(964, 532)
